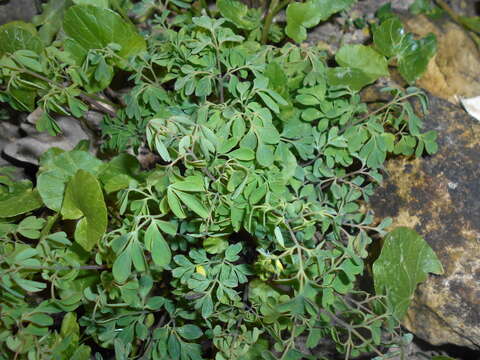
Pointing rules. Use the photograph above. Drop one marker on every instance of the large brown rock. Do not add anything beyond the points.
(454, 72)
(439, 196)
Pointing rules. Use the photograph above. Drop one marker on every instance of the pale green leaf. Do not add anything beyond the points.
(404, 262)
(56, 170)
(279, 236)
(239, 14)
(363, 58)
(193, 203)
(167, 227)
(265, 156)
(215, 245)
(174, 204)
(84, 198)
(122, 266)
(157, 245)
(301, 16)
(30, 227)
(189, 332)
(190, 184)
(242, 154)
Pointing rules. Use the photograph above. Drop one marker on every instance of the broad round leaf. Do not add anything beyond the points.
(93, 27)
(405, 261)
(18, 35)
(84, 198)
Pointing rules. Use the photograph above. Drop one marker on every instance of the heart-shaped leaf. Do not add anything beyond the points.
(301, 16)
(405, 261)
(56, 170)
(84, 199)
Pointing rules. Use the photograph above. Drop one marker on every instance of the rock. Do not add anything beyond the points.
(465, 7)
(17, 10)
(8, 133)
(93, 119)
(371, 6)
(28, 149)
(455, 70)
(439, 196)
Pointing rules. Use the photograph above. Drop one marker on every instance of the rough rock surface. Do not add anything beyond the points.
(439, 196)
(8, 134)
(455, 70)
(29, 148)
(17, 10)
(331, 34)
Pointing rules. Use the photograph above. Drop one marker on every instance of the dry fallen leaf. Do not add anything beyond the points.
(472, 106)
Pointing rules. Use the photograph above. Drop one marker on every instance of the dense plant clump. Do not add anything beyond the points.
(250, 231)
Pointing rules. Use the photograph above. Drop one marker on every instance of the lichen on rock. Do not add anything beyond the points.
(439, 196)
(455, 71)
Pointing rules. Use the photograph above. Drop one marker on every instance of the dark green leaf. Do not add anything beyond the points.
(189, 332)
(19, 202)
(51, 18)
(415, 56)
(92, 27)
(18, 35)
(389, 36)
(473, 23)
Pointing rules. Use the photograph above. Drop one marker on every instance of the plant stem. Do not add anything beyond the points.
(350, 328)
(380, 109)
(283, 4)
(64, 268)
(271, 12)
(98, 105)
(204, 5)
(219, 66)
(204, 169)
(92, 100)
